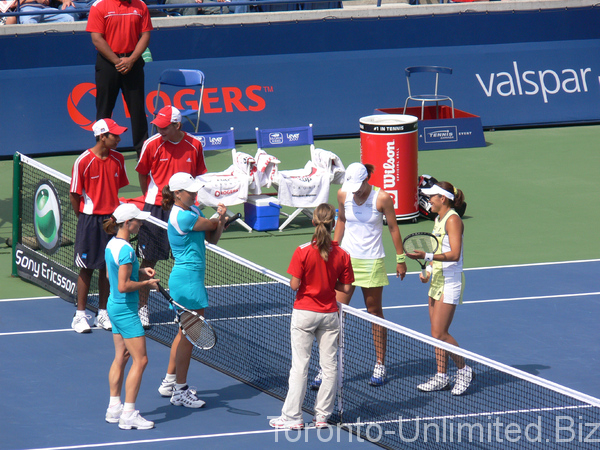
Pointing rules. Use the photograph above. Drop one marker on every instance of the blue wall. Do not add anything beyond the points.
(511, 68)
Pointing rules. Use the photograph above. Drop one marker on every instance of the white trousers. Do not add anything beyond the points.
(306, 326)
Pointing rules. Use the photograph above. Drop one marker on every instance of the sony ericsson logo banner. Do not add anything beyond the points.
(40, 270)
(47, 222)
(440, 134)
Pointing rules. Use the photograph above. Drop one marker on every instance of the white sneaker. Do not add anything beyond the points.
(316, 383)
(379, 376)
(166, 388)
(113, 413)
(438, 382)
(463, 380)
(144, 316)
(134, 421)
(186, 397)
(320, 421)
(80, 324)
(102, 320)
(285, 424)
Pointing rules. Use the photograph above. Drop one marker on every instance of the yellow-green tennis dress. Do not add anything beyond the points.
(447, 278)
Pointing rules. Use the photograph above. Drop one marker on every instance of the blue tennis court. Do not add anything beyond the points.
(539, 318)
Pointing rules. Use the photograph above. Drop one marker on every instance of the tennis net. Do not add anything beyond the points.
(250, 310)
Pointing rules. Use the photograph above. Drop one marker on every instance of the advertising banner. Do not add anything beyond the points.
(530, 68)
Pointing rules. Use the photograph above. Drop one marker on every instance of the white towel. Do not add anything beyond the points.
(330, 162)
(303, 188)
(266, 168)
(229, 187)
(247, 165)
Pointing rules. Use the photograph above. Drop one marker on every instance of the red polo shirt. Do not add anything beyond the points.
(161, 159)
(318, 277)
(121, 23)
(98, 181)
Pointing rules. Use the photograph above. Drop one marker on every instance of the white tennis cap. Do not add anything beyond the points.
(184, 181)
(167, 115)
(435, 189)
(128, 211)
(356, 173)
(107, 126)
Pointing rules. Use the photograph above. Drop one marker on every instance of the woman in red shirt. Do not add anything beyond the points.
(318, 268)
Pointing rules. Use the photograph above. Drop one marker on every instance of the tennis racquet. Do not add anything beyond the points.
(425, 242)
(231, 220)
(193, 326)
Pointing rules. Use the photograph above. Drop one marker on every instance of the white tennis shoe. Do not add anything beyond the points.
(282, 423)
(134, 420)
(379, 376)
(113, 413)
(80, 324)
(439, 382)
(186, 397)
(463, 380)
(102, 320)
(166, 388)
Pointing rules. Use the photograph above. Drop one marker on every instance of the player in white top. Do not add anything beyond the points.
(359, 231)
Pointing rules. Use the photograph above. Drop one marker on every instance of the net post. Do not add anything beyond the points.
(340, 379)
(16, 220)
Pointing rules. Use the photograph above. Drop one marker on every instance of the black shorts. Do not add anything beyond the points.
(153, 241)
(90, 241)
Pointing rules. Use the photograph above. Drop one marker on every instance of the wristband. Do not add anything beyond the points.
(401, 258)
(428, 257)
(429, 269)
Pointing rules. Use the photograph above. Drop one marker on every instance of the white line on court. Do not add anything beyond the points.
(50, 297)
(16, 333)
(172, 439)
(581, 261)
(538, 297)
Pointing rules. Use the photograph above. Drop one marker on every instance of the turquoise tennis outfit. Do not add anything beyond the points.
(187, 277)
(122, 307)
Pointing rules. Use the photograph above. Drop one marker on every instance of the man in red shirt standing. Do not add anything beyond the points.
(120, 32)
(98, 174)
(168, 152)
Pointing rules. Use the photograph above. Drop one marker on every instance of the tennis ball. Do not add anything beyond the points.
(46, 217)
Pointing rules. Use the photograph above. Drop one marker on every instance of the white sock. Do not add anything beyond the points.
(178, 386)
(170, 377)
(80, 313)
(128, 408)
(114, 401)
(465, 369)
(444, 375)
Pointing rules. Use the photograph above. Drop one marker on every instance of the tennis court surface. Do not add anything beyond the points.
(536, 318)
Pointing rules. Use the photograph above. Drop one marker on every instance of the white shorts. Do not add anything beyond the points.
(450, 286)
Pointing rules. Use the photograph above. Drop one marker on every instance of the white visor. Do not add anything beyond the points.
(435, 189)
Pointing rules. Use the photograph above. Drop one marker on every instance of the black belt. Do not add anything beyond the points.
(124, 55)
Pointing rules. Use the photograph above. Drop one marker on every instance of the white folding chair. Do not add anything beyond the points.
(303, 189)
(182, 78)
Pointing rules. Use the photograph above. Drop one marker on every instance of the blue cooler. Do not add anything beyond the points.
(259, 214)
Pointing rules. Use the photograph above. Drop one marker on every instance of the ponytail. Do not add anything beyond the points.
(459, 197)
(168, 198)
(323, 218)
(111, 226)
